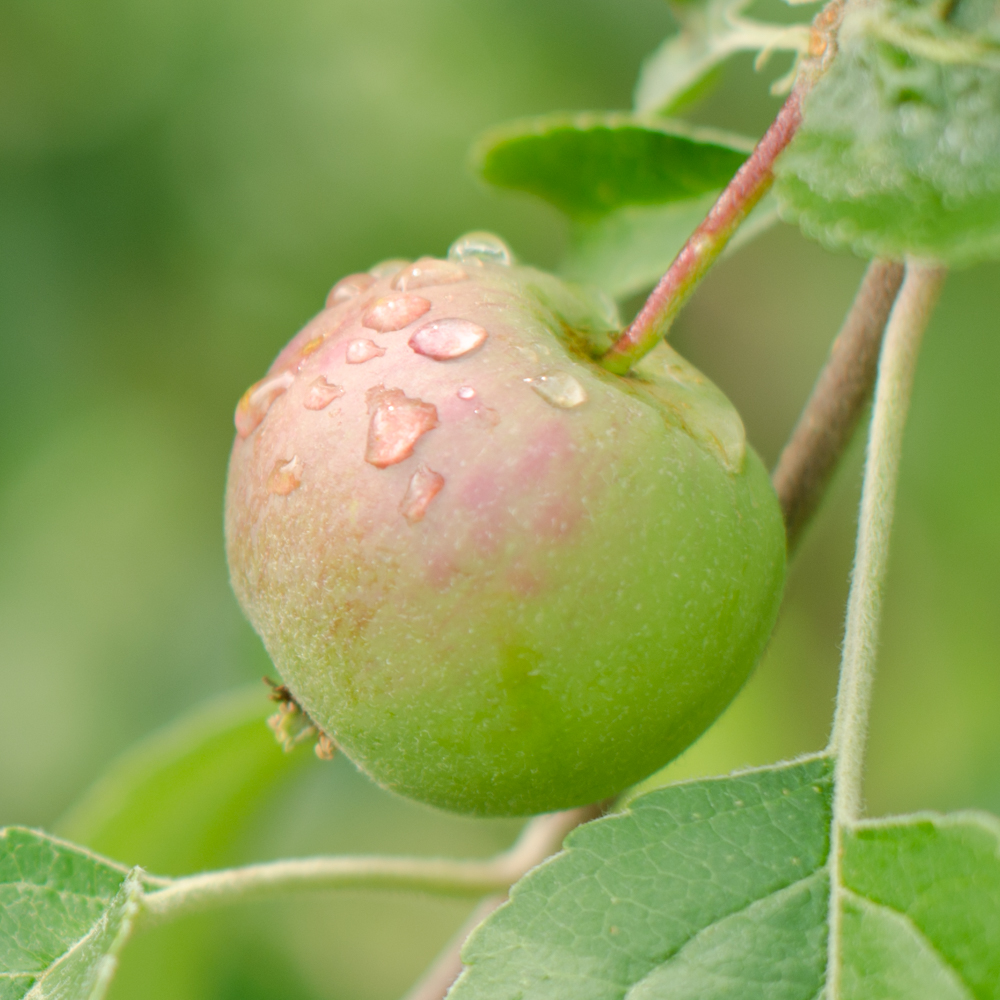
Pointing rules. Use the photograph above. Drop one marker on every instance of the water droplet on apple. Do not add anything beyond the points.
(360, 351)
(424, 486)
(480, 248)
(348, 288)
(445, 339)
(487, 415)
(560, 389)
(285, 477)
(394, 312)
(427, 272)
(466, 392)
(321, 394)
(387, 268)
(257, 400)
(397, 423)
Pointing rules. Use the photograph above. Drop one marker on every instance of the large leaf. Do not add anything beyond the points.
(720, 890)
(177, 801)
(708, 889)
(64, 916)
(592, 164)
(899, 151)
(922, 909)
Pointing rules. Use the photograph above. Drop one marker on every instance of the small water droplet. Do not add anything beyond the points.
(285, 477)
(257, 400)
(466, 392)
(427, 272)
(348, 288)
(559, 389)
(444, 339)
(425, 484)
(479, 248)
(397, 423)
(394, 312)
(321, 394)
(360, 351)
(387, 268)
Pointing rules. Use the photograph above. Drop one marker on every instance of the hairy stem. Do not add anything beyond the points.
(842, 391)
(749, 185)
(540, 838)
(897, 363)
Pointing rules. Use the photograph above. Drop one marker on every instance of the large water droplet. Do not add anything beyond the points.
(394, 312)
(425, 484)
(480, 247)
(444, 339)
(559, 389)
(321, 394)
(257, 400)
(466, 392)
(427, 272)
(348, 288)
(360, 351)
(285, 477)
(387, 268)
(396, 424)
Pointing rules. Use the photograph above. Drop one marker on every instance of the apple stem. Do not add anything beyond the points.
(750, 183)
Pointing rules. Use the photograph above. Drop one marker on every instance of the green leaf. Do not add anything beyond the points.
(592, 164)
(708, 889)
(710, 32)
(177, 801)
(899, 151)
(627, 252)
(64, 916)
(922, 911)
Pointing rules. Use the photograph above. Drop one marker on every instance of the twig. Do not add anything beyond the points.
(841, 393)
(540, 838)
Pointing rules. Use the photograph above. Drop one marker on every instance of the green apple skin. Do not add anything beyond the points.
(590, 586)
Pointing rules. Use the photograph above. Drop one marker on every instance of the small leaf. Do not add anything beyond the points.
(710, 32)
(177, 801)
(922, 914)
(64, 916)
(590, 165)
(708, 889)
(899, 151)
(627, 251)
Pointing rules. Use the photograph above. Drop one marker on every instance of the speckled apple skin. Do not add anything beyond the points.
(583, 597)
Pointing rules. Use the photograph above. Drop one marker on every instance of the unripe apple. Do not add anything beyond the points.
(503, 580)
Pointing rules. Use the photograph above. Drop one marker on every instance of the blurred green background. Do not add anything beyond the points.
(180, 184)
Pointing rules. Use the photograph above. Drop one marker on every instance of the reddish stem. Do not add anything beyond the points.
(747, 187)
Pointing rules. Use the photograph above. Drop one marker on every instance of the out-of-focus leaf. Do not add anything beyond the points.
(710, 32)
(592, 164)
(709, 889)
(921, 915)
(899, 151)
(65, 914)
(627, 251)
(176, 802)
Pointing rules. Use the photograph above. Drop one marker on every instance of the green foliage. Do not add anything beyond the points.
(693, 880)
(590, 165)
(64, 916)
(899, 151)
(720, 889)
(177, 801)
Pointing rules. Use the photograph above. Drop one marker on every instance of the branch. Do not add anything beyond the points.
(540, 838)
(841, 393)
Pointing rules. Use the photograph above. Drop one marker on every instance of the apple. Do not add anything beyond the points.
(499, 578)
